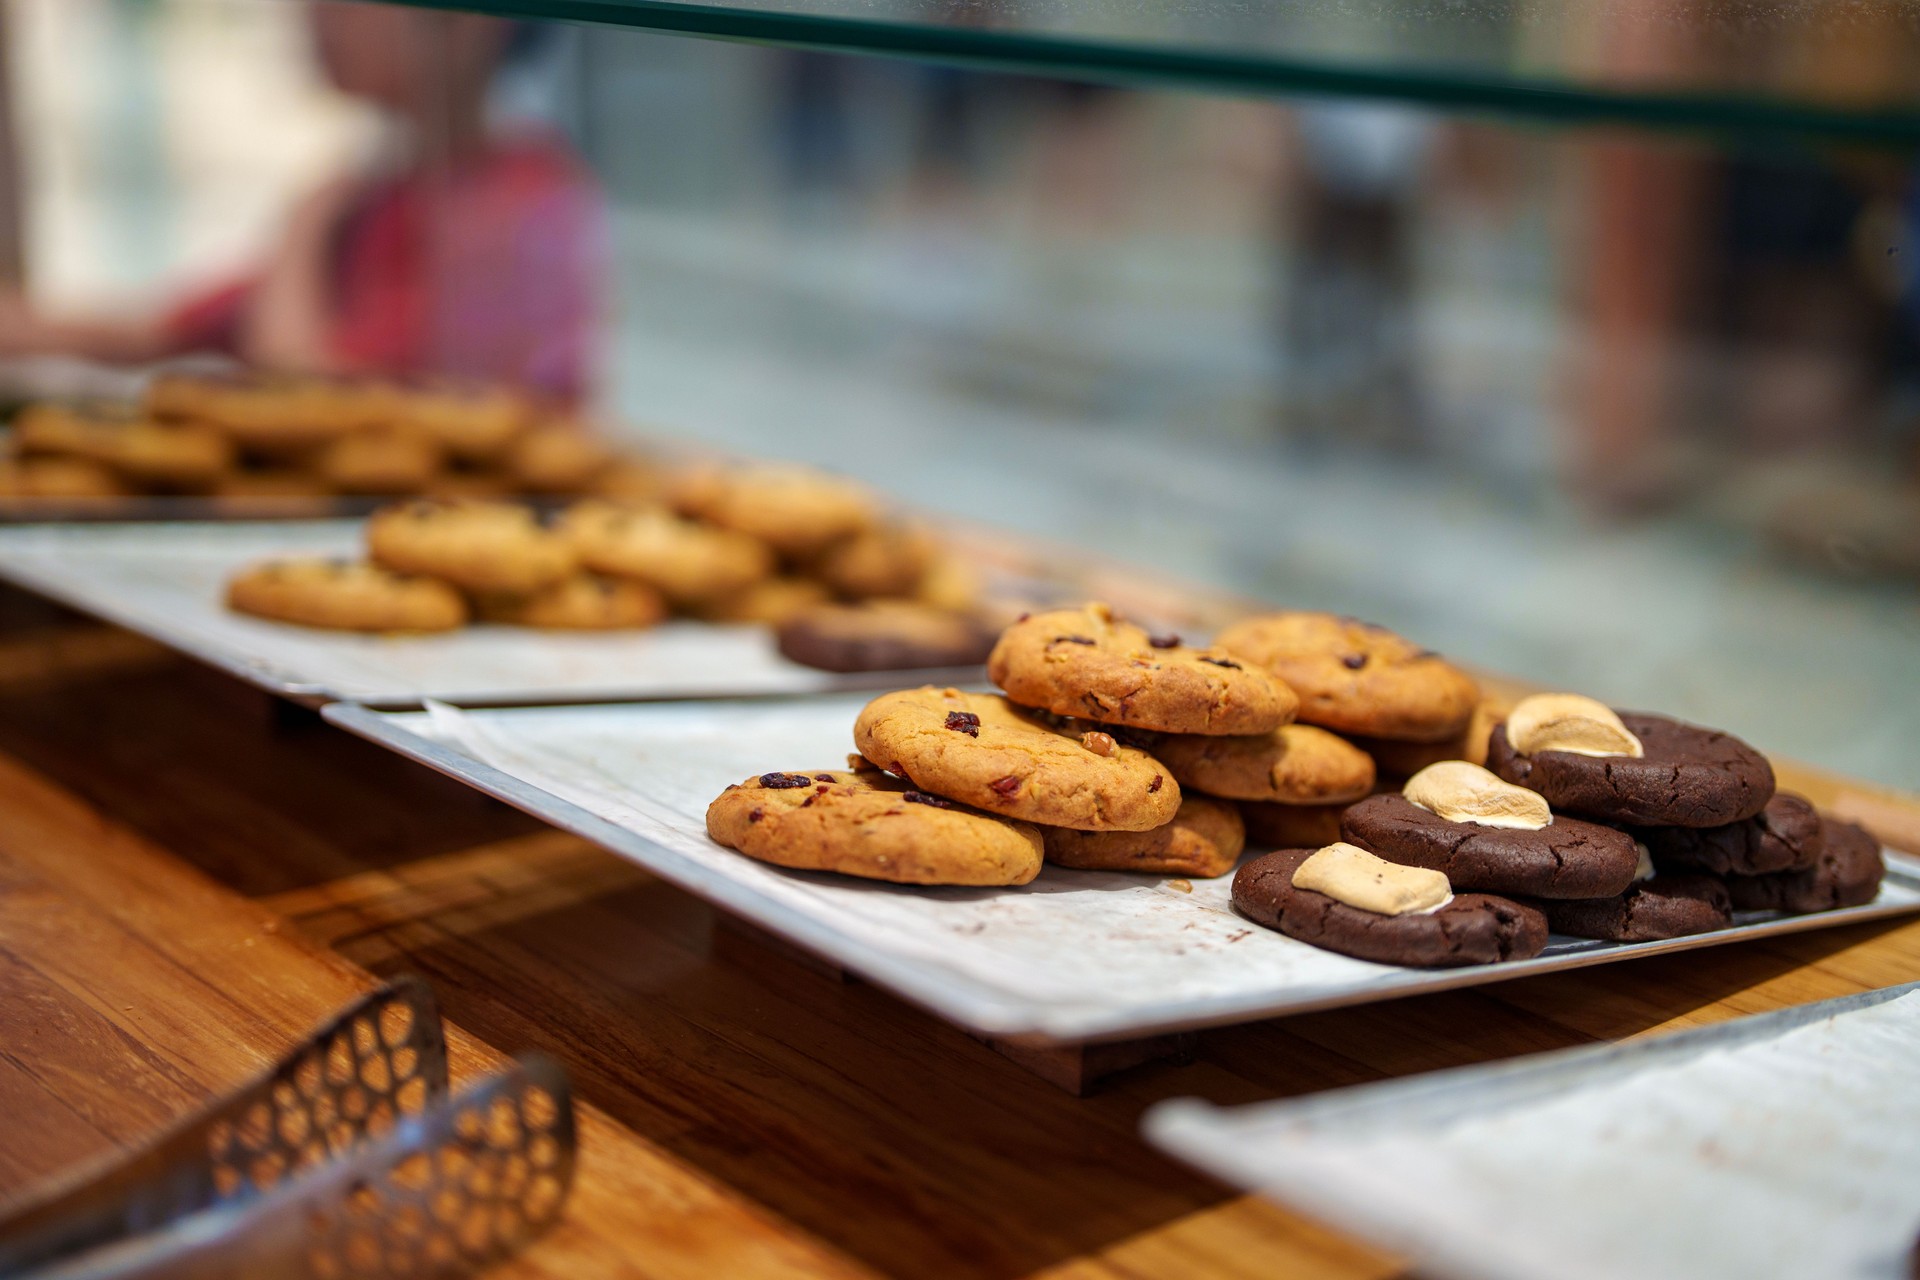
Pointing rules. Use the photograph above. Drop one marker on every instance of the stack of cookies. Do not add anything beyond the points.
(1595, 823)
(733, 547)
(270, 435)
(1058, 761)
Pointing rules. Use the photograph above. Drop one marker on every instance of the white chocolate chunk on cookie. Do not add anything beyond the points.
(1569, 722)
(1463, 792)
(1347, 873)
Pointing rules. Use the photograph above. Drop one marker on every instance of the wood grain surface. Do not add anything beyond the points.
(191, 876)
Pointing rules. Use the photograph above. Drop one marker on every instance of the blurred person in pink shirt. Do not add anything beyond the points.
(473, 256)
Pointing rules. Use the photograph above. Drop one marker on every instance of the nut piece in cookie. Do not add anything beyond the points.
(481, 546)
(1204, 840)
(1462, 792)
(686, 562)
(1685, 776)
(1357, 678)
(1846, 874)
(1295, 764)
(1471, 928)
(798, 511)
(1674, 906)
(882, 635)
(1784, 836)
(1565, 859)
(981, 750)
(1569, 722)
(1086, 662)
(343, 596)
(584, 602)
(867, 824)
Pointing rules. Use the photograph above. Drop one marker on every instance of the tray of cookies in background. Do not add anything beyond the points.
(1136, 835)
(239, 444)
(672, 575)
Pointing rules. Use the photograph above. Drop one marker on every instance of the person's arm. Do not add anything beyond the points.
(134, 340)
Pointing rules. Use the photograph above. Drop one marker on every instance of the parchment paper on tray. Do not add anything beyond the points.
(166, 581)
(1776, 1146)
(1073, 956)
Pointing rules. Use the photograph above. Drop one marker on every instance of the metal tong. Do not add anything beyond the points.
(349, 1160)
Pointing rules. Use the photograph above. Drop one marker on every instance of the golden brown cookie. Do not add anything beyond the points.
(867, 824)
(631, 481)
(557, 458)
(770, 602)
(180, 458)
(344, 596)
(474, 423)
(271, 416)
(981, 750)
(687, 562)
(70, 429)
(1291, 826)
(584, 602)
(478, 546)
(890, 559)
(381, 462)
(1204, 839)
(1356, 677)
(1086, 662)
(46, 477)
(1295, 764)
(950, 582)
(882, 635)
(271, 482)
(796, 510)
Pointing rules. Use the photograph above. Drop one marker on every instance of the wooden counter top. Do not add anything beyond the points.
(192, 876)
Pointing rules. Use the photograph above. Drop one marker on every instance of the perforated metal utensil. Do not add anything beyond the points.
(348, 1160)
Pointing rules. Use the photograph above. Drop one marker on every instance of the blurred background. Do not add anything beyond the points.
(1628, 412)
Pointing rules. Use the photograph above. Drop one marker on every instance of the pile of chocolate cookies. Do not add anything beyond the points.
(1590, 822)
(267, 435)
(790, 547)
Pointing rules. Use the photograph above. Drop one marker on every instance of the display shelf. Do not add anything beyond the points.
(1826, 70)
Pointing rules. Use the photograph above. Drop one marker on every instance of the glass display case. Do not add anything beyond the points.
(1578, 343)
(1583, 345)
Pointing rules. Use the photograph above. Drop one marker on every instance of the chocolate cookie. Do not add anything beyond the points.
(1784, 836)
(584, 602)
(1204, 839)
(342, 596)
(1295, 764)
(480, 546)
(1846, 874)
(981, 750)
(1086, 662)
(687, 562)
(1474, 928)
(1663, 907)
(1291, 826)
(1357, 678)
(1688, 776)
(1565, 859)
(869, 825)
(882, 635)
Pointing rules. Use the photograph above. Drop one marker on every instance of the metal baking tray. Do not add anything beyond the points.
(1074, 956)
(166, 580)
(1781, 1145)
